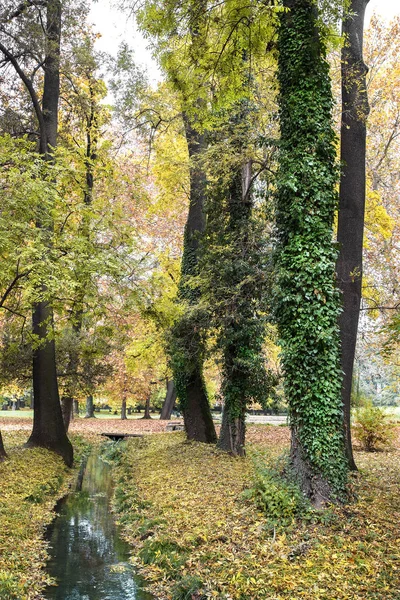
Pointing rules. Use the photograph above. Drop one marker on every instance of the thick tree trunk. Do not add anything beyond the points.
(3, 454)
(169, 402)
(197, 416)
(123, 410)
(48, 425)
(198, 421)
(352, 197)
(67, 408)
(307, 300)
(232, 434)
(236, 377)
(89, 408)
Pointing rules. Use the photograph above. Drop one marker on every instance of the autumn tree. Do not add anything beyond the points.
(308, 302)
(19, 23)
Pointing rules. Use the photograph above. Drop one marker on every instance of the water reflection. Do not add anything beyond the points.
(88, 558)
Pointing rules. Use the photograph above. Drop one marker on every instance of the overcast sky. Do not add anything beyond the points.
(115, 27)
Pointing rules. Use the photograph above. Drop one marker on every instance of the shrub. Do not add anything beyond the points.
(373, 429)
(274, 492)
(188, 588)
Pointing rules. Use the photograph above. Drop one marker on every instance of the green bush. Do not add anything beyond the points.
(273, 491)
(373, 429)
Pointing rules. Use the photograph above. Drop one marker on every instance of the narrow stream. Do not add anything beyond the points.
(89, 560)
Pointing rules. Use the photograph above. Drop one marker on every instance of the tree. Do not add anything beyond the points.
(169, 401)
(350, 232)
(48, 426)
(307, 300)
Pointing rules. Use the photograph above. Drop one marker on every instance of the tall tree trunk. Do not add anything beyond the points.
(169, 402)
(355, 111)
(235, 375)
(48, 425)
(3, 454)
(188, 374)
(307, 300)
(89, 407)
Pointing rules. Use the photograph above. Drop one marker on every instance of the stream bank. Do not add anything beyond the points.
(88, 558)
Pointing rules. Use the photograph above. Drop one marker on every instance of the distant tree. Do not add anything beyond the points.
(48, 426)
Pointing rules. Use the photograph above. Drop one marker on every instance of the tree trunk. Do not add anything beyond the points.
(169, 402)
(67, 408)
(89, 408)
(123, 410)
(3, 454)
(147, 408)
(307, 301)
(233, 432)
(75, 411)
(197, 416)
(238, 370)
(190, 384)
(355, 111)
(48, 425)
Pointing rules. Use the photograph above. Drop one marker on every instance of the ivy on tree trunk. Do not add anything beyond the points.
(307, 299)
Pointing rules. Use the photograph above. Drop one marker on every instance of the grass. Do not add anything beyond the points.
(195, 534)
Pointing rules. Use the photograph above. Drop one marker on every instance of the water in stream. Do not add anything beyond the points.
(89, 560)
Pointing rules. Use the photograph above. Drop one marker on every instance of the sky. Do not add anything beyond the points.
(116, 27)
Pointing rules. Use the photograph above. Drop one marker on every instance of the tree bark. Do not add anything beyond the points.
(3, 454)
(232, 435)
(89, 408)
(169, 402)
(355, 111)
(236, 379)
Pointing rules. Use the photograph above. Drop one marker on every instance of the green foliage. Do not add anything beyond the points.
(164, 554)
(372, 428)
(307, 300)
(274, 491)
(187, 588)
